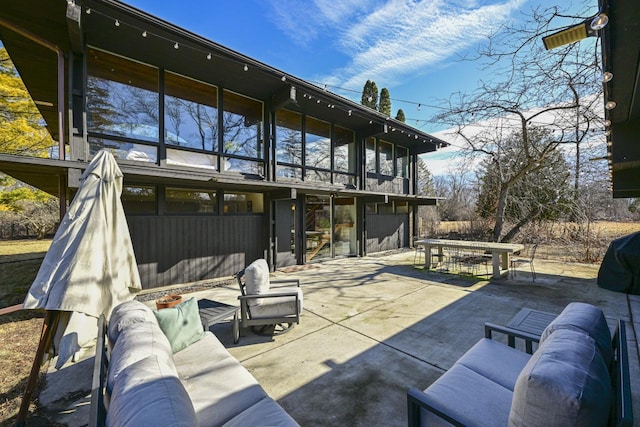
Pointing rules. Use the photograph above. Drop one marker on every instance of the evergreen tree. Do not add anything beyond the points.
(370, 95)
(400, 116)
(21, 128)
(385, 102)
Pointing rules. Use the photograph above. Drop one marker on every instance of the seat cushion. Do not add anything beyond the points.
(256, 277)
(264, 413)
(584, 318)
(470, 398)
(278, 306)
(219, 387)
(565, 383)
(496, 361)
(181, 324)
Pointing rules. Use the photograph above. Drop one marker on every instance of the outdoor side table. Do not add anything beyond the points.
(530, 321)
(212, 312)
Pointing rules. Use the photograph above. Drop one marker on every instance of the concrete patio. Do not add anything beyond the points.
(373, 327)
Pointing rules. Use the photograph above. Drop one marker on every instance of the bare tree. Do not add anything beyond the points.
(530, 89)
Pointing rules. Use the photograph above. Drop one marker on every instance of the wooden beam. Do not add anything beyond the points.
(74, 12)
(283, 98)
(283, 194)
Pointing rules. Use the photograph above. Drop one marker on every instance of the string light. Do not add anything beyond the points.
(117, 23)
(144, 34)
(246, 67)
(176, 46)
(88, 11)
(209, 56)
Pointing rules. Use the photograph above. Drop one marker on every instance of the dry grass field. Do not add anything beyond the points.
(20, 260)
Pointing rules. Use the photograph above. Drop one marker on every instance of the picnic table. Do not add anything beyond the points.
(500, 252)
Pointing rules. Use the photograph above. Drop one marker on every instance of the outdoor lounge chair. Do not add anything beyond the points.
(267, 310)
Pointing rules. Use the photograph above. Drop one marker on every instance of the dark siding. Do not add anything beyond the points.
(174, 249)
(387, 232)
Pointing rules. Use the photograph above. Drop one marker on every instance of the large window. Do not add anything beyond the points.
(289, 144)
(402, 168)
(181, 200)
(139, 200)
(386, 158)
(317, 144)
(345, 150)
(190, 113)
(243, 203)
(242, 133)
(371, 155)
(122, 103)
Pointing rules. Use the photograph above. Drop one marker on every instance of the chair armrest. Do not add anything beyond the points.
(512, 334)
(269, 295)
(416, 400)
(281, 282)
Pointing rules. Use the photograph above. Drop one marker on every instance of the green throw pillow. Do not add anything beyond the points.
(181, 324)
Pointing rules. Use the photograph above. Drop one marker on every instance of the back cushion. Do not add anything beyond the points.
(256, 277)
(565, 383)
(584, 318)
(136, 342)
(127, 313)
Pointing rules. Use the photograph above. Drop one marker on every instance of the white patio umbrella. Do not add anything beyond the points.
(90, 267)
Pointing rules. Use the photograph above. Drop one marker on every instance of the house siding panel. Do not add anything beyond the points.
(387, 232)
(181, 249)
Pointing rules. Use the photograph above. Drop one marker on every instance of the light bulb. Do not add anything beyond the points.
(246, 67)
(89, 11)
(284, 78)
(144, 34)
(607, 122)
(117, 23)
(607, 76)
(176, 46)
(599, 22)
(209, 56)
(610, 105)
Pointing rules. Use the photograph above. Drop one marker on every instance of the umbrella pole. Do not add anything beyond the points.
(49, 325)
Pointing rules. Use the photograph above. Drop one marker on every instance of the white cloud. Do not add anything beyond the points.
(390, 40)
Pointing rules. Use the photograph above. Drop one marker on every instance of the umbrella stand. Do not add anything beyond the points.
(46, 337)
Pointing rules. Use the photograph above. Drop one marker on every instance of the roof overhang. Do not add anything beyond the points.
(621, 56)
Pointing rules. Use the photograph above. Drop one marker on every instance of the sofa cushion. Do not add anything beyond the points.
(125, 314)
(566, 382)
(468, 397)
(181, 324)
(496, 361)
(278, 306)
(264, 413)
(149, 393)
(584, 318)
(218, 385)
(136, 342)
(256, 277)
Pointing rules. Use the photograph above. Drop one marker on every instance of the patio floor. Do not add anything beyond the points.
(373, 327)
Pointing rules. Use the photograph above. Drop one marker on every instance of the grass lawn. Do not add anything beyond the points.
(19, 331)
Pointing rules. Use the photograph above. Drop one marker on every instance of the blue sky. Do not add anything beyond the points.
(411, 47)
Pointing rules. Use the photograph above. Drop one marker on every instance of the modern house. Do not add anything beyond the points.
(621, 58)
(225, 159)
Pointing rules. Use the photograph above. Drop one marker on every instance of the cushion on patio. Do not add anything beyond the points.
(150, 384)
(584, 318)
(278, 306)
(125, 314)
(566, 382)
(256, 277)
(496, 361)
(264, 413)
(181, 324)
(235, 388)
(136, 342)
(469, 397)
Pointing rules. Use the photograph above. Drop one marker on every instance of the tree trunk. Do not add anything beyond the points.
(502, 206)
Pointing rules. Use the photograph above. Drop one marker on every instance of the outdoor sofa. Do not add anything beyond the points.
(159, 368)
(578, 376)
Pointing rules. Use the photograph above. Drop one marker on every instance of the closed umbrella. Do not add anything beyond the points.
(90, 267)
